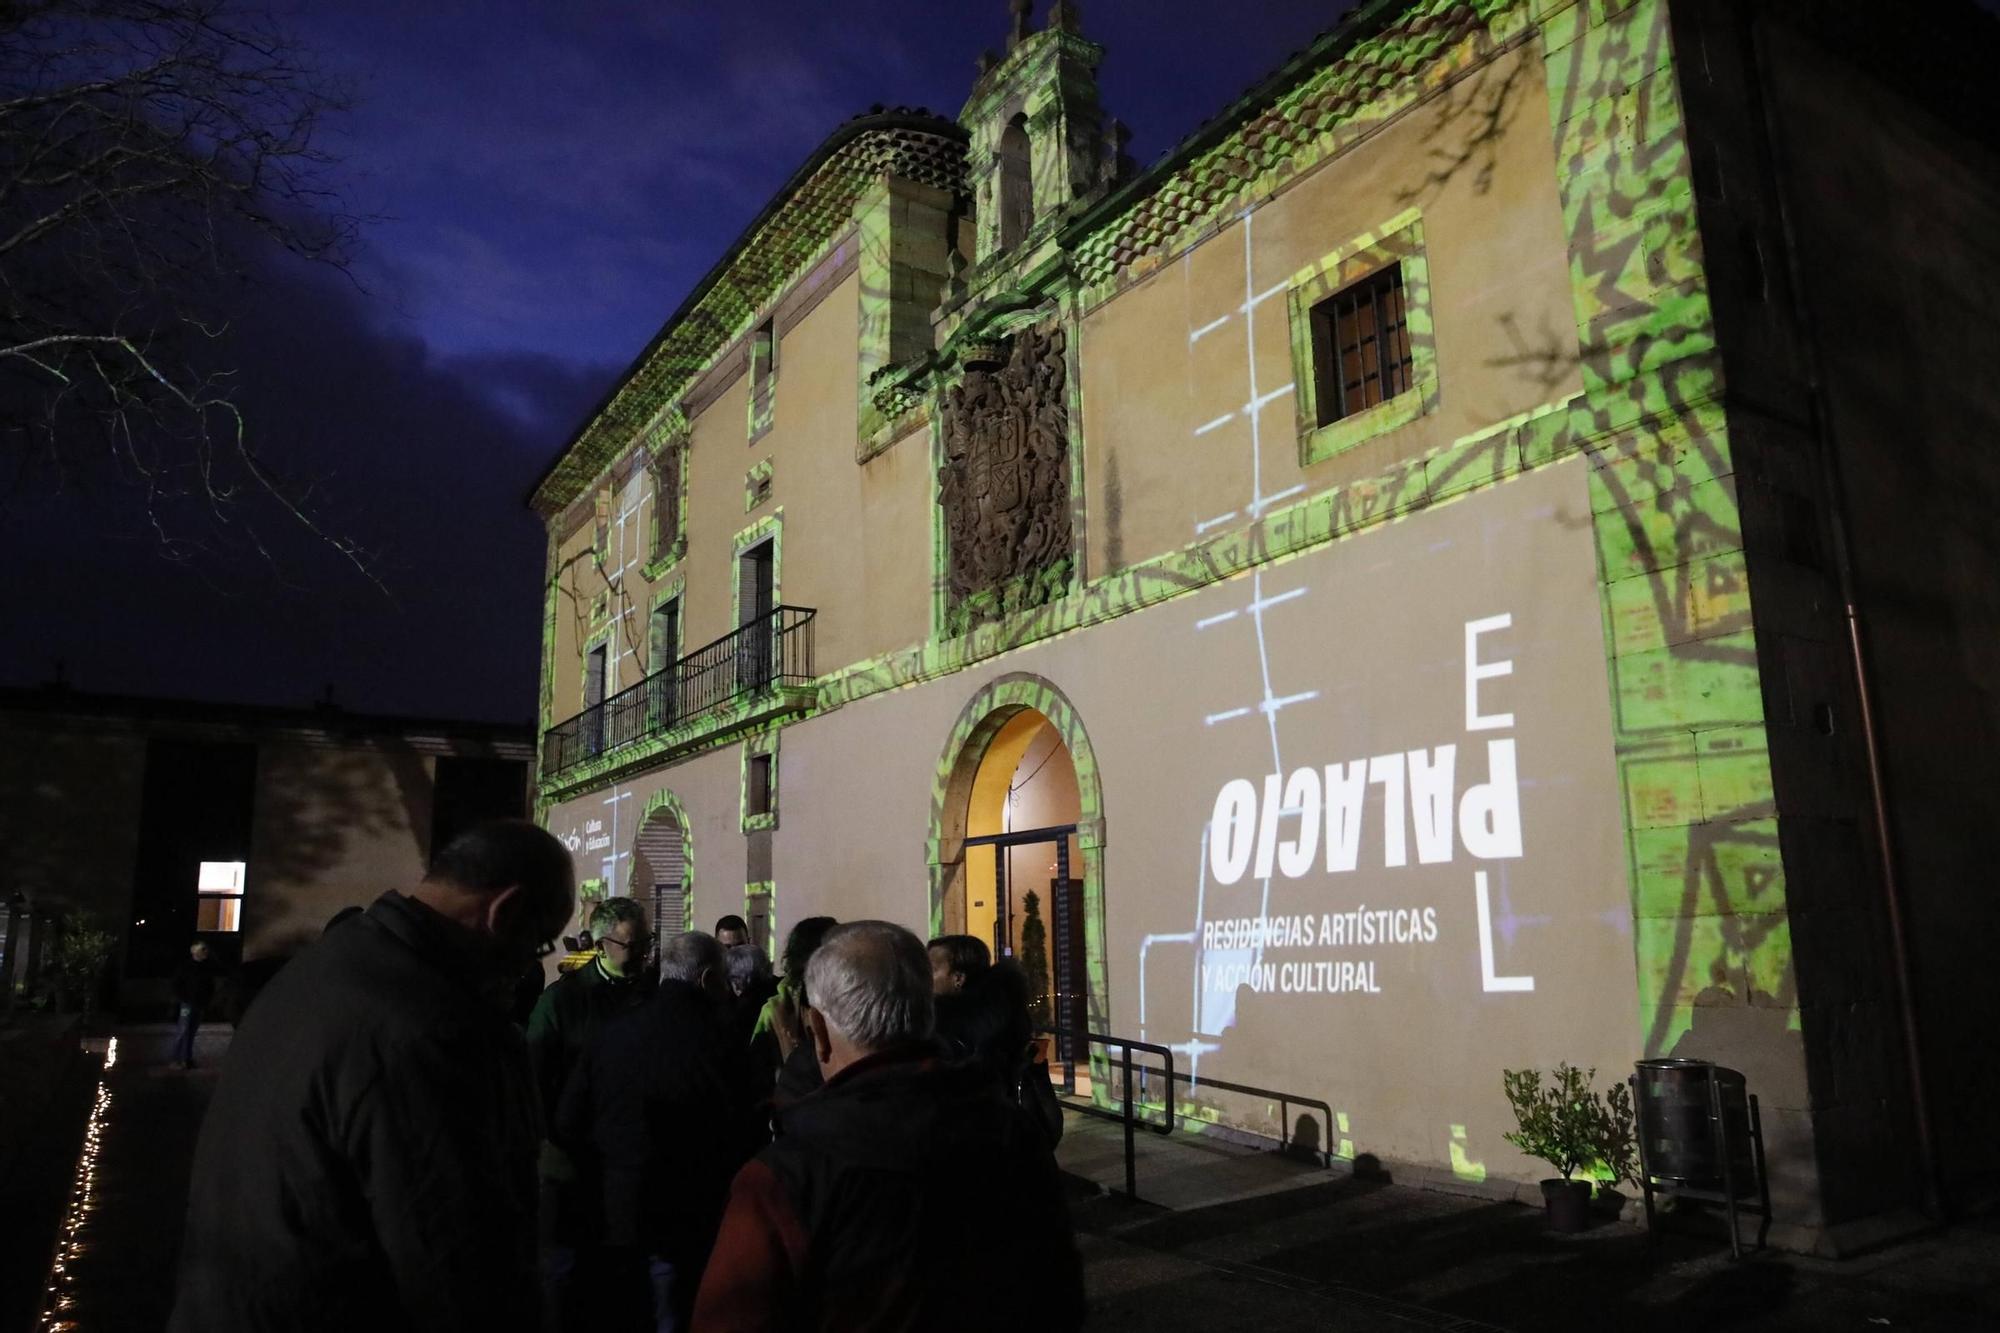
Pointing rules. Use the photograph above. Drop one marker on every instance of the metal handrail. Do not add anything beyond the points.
(1286, 1101)
(1127, 1045)
(773, 650)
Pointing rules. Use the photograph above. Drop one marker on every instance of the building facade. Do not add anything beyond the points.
(166, 821)
(1374, 600)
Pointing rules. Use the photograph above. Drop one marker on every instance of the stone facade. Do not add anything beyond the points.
(1090, 477)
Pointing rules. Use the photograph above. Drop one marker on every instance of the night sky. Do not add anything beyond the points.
(550, 182)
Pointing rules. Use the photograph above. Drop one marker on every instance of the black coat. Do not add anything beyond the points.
(904, 1195)
(987, 1023)
(658, 1116)
(194, 982)
(368, 1159)
(565, 1021)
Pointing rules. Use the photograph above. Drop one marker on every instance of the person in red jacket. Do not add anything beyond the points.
(906, 1193)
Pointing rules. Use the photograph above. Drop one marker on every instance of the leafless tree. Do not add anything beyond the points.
(155, 155)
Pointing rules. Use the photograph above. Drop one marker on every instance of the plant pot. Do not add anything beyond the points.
(1566, 1204)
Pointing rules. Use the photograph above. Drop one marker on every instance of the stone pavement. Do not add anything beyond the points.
(1225, 1228)
(1222, 1238)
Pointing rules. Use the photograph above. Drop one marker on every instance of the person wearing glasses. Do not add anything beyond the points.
(565, 1023)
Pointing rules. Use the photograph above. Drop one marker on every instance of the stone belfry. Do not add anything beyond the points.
(1039, 140)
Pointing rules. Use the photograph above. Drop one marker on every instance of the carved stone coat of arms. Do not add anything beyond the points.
(1004, 482)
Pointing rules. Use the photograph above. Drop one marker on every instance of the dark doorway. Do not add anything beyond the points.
(666, 649)
(757, 598)
(198, 805)
(594, 690)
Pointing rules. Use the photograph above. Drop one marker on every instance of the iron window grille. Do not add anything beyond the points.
(1361, 345)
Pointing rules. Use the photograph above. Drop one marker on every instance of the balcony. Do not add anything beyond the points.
(768, 661)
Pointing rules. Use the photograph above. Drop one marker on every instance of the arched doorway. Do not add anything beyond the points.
(1017, 845)
(662, 865)
(1020, 836)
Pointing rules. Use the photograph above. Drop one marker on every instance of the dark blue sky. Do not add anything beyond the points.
(551, 180)
(560, 175)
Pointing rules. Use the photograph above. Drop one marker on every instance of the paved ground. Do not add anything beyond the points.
(1222, 1239)
(45, 1091)
(1221, 1228)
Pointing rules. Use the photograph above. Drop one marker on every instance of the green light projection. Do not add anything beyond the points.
(663, 805)
(1707, 885)
(951, 794)
(1399, 241)
(1706, 880)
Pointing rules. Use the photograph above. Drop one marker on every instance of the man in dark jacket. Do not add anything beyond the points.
(565, 1022)
(368, 1158)
(659, 1117)
(567, 1014)
(194, 991)
(905, 1194)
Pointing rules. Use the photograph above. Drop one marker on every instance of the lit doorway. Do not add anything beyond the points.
(1023, 879)
(1019, 805)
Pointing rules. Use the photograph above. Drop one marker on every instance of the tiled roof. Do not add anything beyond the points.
(1251, 145)
(1256, 142)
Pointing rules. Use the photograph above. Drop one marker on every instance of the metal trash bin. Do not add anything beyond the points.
(1699, 1137)
(1688, 1110)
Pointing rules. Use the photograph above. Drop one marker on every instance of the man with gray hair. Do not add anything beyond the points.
(658, 1119)
(904, 1194)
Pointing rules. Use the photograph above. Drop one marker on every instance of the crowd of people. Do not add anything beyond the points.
(670, 1135)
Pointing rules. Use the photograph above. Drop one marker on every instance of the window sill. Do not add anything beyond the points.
(653, 570)
(1318, 445)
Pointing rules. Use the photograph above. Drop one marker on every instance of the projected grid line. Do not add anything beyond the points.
(1218, 1016)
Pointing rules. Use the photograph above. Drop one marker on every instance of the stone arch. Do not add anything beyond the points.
(979, 721)
(1016, 156)
(664, 813)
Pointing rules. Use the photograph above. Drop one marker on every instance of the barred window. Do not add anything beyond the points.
(1361, 345)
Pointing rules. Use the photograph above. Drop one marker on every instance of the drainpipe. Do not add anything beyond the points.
(1833, 499)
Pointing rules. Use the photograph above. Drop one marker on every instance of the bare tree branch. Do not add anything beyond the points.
(154, 155)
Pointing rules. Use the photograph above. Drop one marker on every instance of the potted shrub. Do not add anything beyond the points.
(1572, 1127)
(81, 952)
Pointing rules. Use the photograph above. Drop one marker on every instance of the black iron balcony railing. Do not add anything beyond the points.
(769, 652)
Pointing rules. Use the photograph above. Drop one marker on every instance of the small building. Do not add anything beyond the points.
(248, 827)
(1481, 556)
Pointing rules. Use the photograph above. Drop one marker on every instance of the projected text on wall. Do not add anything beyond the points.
(1426, 804)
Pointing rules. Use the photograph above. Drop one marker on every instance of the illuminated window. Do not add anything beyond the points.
(220, 905)
(1361, 346)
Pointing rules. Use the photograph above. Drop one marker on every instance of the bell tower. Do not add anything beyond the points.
(1039, 141)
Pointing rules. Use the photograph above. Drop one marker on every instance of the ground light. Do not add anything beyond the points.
(74, 1239)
